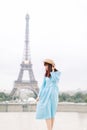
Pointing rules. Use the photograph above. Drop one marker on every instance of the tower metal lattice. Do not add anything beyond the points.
(26, 65)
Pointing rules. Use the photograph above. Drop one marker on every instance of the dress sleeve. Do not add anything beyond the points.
(55, 76)
(41, 88)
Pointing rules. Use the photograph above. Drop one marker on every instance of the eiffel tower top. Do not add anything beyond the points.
(26, 62)
(27, 57)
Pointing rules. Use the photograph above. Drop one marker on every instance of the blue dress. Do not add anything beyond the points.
(48, 97)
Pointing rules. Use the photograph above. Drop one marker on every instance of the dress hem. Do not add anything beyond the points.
(45, 118)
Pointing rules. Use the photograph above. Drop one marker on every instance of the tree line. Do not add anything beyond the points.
(78, 97)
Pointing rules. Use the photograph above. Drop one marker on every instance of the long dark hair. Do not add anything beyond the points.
(47, 73)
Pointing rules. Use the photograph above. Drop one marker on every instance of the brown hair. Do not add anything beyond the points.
(47, 73)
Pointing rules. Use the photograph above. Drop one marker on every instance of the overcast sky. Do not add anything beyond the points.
(58, 30)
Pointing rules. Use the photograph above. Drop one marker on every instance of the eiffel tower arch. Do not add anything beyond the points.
(26, 65)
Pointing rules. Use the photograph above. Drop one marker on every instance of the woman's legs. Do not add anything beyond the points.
(50, 123)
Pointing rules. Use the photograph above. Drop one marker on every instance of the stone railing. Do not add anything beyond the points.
(25, 107)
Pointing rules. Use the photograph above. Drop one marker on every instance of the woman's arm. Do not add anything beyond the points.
(55, 76)
(42, 86)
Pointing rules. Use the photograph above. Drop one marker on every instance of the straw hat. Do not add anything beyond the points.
(49, 61)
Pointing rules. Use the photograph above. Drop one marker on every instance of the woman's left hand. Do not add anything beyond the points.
(53, 67)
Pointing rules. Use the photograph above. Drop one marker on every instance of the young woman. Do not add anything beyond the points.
(47, 100)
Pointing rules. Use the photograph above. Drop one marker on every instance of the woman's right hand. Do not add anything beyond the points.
(37, 99)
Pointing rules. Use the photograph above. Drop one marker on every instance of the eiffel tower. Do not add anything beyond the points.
(26, 65)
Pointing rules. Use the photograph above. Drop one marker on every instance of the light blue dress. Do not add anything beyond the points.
(48, 96)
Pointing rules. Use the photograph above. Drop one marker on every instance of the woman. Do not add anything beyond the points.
(47, 100)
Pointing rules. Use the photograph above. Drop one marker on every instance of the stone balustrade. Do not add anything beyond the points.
(25, 107)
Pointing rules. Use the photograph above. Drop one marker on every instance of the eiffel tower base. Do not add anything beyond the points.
(18, 86)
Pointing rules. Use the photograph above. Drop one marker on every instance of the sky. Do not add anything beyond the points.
(57, 30)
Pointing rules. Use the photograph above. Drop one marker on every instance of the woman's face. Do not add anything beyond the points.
(46, 67)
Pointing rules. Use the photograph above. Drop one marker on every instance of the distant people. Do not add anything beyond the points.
(47, 100)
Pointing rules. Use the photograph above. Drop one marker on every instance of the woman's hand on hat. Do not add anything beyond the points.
(53, 67)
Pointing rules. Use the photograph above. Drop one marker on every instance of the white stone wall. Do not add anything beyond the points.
(62, 107)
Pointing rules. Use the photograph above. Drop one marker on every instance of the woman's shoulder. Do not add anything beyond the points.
(56, 72)
(59, 72)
